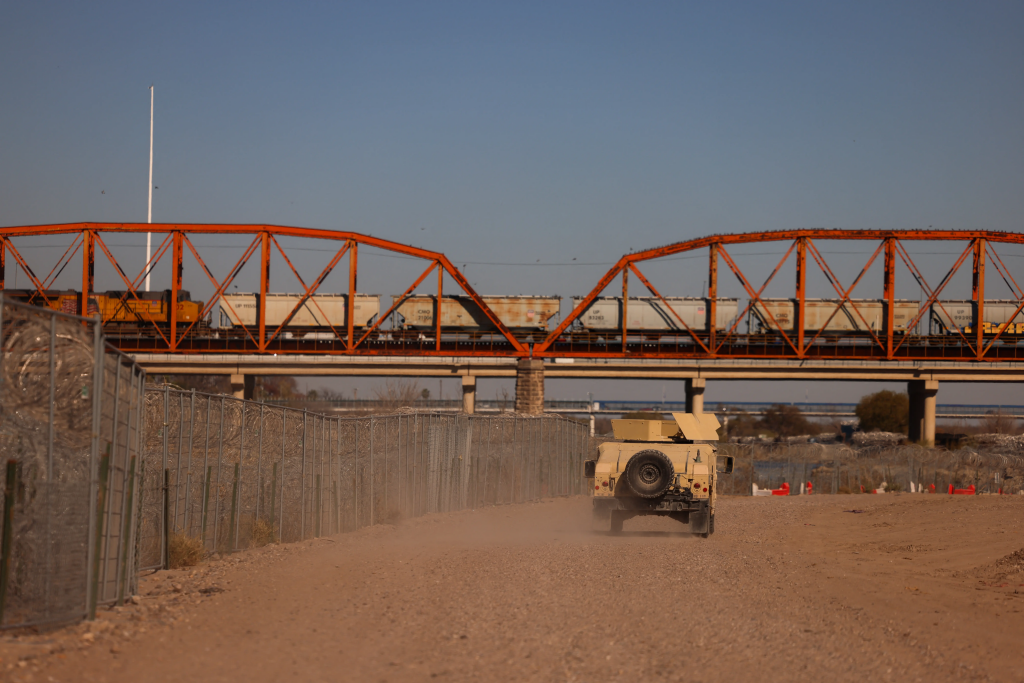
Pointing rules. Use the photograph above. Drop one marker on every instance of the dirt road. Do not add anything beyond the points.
(923, 588)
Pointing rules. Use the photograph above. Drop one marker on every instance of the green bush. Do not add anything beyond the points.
(884, 411)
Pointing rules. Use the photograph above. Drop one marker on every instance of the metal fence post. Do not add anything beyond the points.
(259, 468)
(94, 466)
(284, 434)
(302, 476)
(371, 471)
(220, 473)
(164, 522)
(188, 467)
(236, 515)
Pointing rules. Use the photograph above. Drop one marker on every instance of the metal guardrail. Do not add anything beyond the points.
(581, 407)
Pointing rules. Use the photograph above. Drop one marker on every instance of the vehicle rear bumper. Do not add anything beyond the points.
(696, 513)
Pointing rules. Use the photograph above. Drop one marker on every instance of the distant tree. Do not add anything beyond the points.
(884, 411)
(425, 394)
(276, 386)
(787, 421)
(397, 394)
(744, 424)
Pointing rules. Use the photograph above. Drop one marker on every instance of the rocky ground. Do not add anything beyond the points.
(894, 587)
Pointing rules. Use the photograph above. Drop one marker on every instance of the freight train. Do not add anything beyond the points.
(527, 317)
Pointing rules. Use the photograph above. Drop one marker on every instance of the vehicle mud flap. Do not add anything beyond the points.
(617, 517)
(700, 522)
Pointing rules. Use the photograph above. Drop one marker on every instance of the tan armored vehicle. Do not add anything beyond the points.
(659, 467)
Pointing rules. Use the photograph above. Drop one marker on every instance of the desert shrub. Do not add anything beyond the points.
(884, 411)
(787, 421)
(262, 533)
(184, 551)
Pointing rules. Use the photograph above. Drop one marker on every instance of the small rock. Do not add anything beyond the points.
(136, 600)
(176, 587)
(115, 650)
(88, 637)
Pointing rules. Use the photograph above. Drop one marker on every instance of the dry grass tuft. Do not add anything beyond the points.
(262, 533)
(184, 551)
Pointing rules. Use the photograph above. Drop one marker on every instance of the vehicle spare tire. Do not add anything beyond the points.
(649, 473)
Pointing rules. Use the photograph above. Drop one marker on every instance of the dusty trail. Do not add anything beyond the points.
(793, 589)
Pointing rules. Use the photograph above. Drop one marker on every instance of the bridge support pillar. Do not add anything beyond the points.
(530, 387)
(468, 394)
(922, 410)
(695, 395)
(242, 386)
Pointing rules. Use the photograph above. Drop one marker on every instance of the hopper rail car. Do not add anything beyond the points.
(655, 325)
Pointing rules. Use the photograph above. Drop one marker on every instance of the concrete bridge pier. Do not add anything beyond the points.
(242, 386)
(695, 395)
(469, 394)
(922, 394)
(530, 386)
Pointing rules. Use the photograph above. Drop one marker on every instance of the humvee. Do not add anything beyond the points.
(659, 467)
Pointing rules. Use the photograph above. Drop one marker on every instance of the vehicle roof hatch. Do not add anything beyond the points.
(698, 426)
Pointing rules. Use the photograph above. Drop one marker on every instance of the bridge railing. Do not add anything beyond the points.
(242, 473)
(613, 407)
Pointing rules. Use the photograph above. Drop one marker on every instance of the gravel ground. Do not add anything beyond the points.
(905, 588)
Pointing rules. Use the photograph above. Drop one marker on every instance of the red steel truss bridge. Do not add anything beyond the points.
(87, 243)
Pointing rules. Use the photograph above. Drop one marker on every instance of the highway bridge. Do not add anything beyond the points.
(168, 336)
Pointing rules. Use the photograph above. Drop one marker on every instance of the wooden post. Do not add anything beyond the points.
(7, 547)
(126, 532)
(101, 504)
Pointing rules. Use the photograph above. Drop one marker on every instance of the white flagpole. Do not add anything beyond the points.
(149, 218)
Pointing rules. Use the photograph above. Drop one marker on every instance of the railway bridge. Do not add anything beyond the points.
(971, 338)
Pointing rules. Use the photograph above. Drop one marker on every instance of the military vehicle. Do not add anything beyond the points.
(659, 467)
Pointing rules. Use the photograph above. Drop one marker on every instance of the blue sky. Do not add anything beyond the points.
(512, 132)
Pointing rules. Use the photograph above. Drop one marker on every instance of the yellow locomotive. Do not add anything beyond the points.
(121, 312)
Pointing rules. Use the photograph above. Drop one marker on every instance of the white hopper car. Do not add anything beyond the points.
(461, 314)
(648, 314)
(240, 310)
(817, 312)
(954, 315)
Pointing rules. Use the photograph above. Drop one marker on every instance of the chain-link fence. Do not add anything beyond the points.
(843, 469)
(241, 473)
(70, 427)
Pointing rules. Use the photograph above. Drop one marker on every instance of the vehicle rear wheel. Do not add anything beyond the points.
(711, 527)
(617, 519)
(649, 473)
